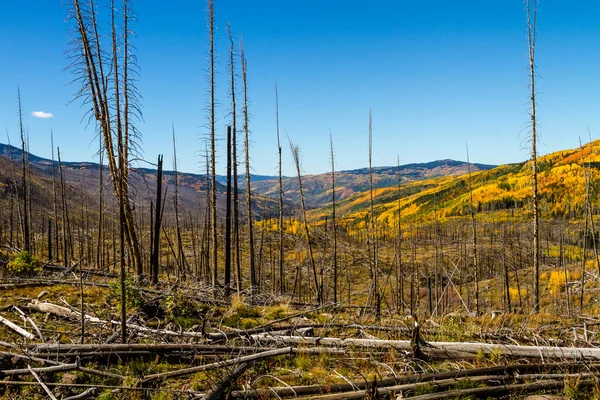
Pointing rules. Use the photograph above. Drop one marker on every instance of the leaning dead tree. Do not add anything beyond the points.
(531, 35)
(295, 149)
(104, 69)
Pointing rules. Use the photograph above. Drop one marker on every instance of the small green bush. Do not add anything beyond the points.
(133, 296)
(23, 263)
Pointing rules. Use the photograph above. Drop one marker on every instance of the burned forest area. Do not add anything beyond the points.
(446, 279)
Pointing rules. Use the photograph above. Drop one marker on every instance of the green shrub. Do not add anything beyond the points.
(133, 296)
(23, 263)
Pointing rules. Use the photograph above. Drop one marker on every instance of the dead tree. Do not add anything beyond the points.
(213, 205)
(474, 227)
(236, 221)
(106, 84)
(228, 219)
(253, 281)
(99, 258)
(157, 221)
(399, 239)
(55, 203)
(25, 221)
(280, 224)
(295, 149)
(333, 220)
(373, 227)
(180, 254)
(65, 214)
(531, 6)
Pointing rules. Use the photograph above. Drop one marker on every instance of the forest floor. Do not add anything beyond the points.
(182, 344)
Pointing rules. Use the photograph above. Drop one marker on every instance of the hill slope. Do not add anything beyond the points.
(499, 193)
(317, 188)
(85, 176)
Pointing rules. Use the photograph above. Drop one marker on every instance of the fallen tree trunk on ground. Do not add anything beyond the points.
(17, 328)
(239, 360)
(501, 370)
(443, 349)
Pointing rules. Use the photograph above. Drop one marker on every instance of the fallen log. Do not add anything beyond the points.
(152, 347)
(33, 324)
(64, 312)
(503, 370)
(378, 390)
(62, 268)
(55, 309)
(26, 371)
(496, 391)
(53, 362)
(234, 361)
(42, 384)
(17, 328)
(443, 349)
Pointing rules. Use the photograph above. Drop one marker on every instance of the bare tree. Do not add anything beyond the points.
(296, 155)
(236, 221)
(531, 6)
(333, 221)
(474, 227)
(228, 219)
(373, 224)
(213, 205)
(280, 224)
(180, 254)
(253, 281)
(25, 221)
(157, 221)
(107, 84)
(55, 203)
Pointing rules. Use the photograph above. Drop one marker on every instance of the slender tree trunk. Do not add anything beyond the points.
(474, 227)
(255, 285)
(213, 157)
(531, 36)
(333, 221)
(55, 203)
(25, 221)
(157, 221)
(228, 219)
(65, 214)
(180, 254)
(373, 224)
(296, 155)
(99, 259)
(280, 225)
(399, 239)
(236, 223)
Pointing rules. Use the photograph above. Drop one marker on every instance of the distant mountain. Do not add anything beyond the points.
(498, 194)
(317, 188)
(192, 187)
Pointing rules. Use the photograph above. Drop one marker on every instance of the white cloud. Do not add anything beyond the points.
(42, 114)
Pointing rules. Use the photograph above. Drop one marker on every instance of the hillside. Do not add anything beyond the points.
(499, 193)
(86, 175)
(317, 188)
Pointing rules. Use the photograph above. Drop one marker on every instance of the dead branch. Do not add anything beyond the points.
(244, 359)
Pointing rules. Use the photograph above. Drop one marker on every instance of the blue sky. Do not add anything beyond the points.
(435, 74)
